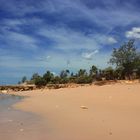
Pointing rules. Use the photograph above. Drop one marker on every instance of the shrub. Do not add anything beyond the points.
(40, 82)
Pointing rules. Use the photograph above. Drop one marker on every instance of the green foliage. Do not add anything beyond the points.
(84, 79)
(35, 76)
(40, 81)
(109, 73)
(81, 73)
(93, 72)
(125, 58)
(125, 54)
(137, 65)
(64, 74)
(48, 77)
(56, 80)
(24, 79)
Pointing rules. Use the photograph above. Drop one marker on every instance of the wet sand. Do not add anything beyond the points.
(108, 112)
(16, 124)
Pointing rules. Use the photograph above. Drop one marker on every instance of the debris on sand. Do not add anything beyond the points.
(83, 107)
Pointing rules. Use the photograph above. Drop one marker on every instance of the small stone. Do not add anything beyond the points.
(83, 107)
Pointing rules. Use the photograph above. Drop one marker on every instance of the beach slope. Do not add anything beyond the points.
(109, 112)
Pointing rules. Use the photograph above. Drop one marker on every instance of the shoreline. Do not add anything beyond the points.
(16, 124)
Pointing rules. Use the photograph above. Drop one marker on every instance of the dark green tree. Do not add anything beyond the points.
(82, 77)
(40, 81)
(82, 72)
(109, 73)
(24, 79)
(64, 76)
(125, 58)
(137, 65)
(35, 76)
(56, 80)
(93, 72)
(48, 77)
(64, 73)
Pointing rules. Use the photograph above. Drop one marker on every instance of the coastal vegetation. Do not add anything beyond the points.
(125, 61)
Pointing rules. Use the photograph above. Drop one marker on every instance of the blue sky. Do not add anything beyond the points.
(36, 36)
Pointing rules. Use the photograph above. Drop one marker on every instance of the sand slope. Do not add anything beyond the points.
(113, 112)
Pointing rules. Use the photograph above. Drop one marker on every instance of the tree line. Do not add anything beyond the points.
(126, 61)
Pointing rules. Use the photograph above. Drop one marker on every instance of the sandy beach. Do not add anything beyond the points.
(108, 112)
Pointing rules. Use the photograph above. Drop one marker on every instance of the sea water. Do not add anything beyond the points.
(16, 124)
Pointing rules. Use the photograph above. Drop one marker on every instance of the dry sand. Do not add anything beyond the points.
(110, 112)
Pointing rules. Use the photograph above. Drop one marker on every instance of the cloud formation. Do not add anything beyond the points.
(134, 33)
(74, 30)
(89, 55)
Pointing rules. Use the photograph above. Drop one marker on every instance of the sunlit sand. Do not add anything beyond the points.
(108, 112)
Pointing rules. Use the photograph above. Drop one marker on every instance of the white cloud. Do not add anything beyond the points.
(66, 39)
(113, 14)
(18, 66)
(13, 34)
(111, 40)
(16, 22)
(23, 40)
(45, 58)
(19, 40)
(105, 39)
(134, 33)
(89, 55)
